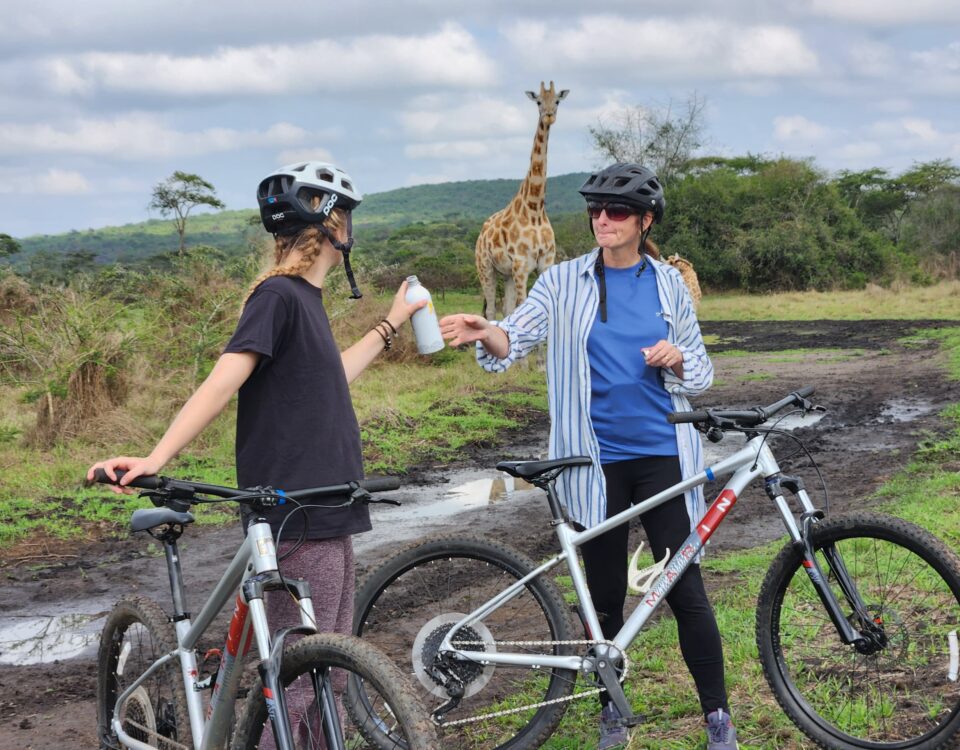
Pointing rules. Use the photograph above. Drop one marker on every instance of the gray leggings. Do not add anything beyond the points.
(327, 564)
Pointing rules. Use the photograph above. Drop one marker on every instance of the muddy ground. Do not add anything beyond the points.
(882, 397)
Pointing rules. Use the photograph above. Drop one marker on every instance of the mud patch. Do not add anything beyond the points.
(882, 397)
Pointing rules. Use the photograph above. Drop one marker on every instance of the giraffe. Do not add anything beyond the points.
(518, 239)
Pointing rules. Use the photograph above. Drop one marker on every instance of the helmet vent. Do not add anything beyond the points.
(620, 182)
(299, 169)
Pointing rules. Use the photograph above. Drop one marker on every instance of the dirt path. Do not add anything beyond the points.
(882, 398)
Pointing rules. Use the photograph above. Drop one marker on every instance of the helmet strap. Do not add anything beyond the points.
(602, 284)
(344, 248)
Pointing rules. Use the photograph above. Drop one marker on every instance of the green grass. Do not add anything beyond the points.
(938, 302)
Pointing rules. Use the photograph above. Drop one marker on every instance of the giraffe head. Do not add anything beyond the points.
(547, 101)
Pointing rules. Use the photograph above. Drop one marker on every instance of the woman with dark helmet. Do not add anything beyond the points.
(624, 348)
(296, 427)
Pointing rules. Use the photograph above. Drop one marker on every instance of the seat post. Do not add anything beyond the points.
(175, 573)
(557, 509)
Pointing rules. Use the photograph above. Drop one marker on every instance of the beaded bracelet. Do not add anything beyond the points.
(385, 335)
(391, 326)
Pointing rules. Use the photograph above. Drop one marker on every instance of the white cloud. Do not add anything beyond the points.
(139, 136)
(447, 57)
(797, 128)
(873, 59)
(291, 156)
(432, 117)
(887, 12)
(661, 49)
(471, 149)
(50, 182)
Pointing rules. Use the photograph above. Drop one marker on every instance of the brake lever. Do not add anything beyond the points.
(360, 495)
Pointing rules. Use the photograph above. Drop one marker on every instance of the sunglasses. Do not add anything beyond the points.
(615, 211)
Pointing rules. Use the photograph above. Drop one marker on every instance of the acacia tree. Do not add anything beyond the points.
(8, 246)
(883, 201)
(661, 138)
(179, 194)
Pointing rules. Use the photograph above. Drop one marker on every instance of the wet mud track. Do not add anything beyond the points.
(881, 382)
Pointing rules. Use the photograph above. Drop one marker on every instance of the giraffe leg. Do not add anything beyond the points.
(509, 297)
(488, 280)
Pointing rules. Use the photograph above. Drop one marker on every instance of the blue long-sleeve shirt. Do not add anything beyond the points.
(560, 310)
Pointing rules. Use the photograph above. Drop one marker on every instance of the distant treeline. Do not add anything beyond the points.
(746, 223)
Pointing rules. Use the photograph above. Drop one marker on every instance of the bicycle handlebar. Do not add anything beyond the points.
(183, 490)
(748, 418)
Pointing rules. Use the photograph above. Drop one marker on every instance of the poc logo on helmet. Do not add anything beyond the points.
(277, 217)
(329, 205)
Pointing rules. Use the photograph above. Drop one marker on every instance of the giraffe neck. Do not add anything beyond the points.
(533, 189)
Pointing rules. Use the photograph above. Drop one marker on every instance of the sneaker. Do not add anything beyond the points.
(721, 734)
(612, 732)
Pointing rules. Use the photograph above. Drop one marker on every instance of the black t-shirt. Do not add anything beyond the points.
(296, 427)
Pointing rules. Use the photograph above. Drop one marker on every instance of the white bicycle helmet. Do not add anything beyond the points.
(287, 205)
(286, 196)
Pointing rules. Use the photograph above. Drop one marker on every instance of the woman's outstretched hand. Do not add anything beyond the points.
(461, 329)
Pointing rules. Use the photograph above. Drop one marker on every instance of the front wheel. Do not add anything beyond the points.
(136, 634)
(407, 606)
(904, 693)
(374, 703)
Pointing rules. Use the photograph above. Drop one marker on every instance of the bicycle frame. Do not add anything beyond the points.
(752, 461)
(253, 569)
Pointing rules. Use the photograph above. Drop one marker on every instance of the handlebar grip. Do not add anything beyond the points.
(678, 417)
(380, 484)
(150, 482)
(807, 390)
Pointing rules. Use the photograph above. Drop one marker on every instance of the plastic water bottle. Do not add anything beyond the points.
(426, 327)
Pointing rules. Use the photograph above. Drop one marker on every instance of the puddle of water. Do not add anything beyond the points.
(905, 410)
(476, 492)
(40, 640)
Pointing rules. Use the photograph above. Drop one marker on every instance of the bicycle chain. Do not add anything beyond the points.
(563, 699)
(167, 742)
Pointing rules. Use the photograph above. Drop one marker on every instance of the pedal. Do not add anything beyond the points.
(639, 580)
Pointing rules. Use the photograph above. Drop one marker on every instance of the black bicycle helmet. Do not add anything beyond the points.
(629, 184)
(286, 197)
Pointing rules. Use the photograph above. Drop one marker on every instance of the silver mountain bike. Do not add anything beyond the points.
(856, 621)
(151, 690)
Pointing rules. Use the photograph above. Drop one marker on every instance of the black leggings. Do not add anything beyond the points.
(666, 526)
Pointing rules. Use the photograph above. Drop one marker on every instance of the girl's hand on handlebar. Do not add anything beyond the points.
(132, 465)
(461, 329)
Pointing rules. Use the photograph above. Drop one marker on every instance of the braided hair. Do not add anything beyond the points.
(308, 241)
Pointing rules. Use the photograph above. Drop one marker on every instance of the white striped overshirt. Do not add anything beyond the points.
(560, 309)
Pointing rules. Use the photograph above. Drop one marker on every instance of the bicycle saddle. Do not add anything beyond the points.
(533, 469)
(150, 518)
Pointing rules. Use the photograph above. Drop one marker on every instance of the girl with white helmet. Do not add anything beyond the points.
(296, 427)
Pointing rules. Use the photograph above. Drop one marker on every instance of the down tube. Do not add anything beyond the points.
(683, 557)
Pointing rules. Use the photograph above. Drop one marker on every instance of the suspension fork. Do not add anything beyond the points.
(775, 485)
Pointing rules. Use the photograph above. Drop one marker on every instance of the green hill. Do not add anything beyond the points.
(232, 231)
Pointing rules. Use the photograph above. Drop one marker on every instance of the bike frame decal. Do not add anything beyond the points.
(716, 513)
(228, 661)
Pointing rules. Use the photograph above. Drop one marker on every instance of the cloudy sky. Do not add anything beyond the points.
(101, 99)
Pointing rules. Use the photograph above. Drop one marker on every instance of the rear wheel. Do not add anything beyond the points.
(411, 602)
(903, 692)
(136, 634)
(375, 704)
